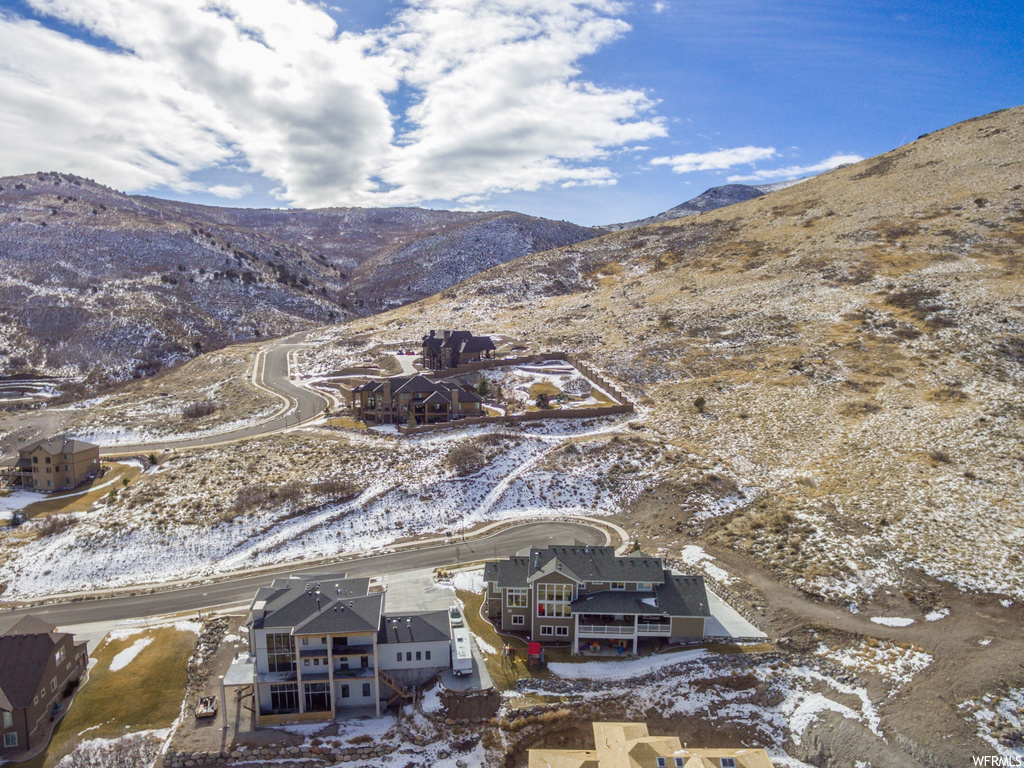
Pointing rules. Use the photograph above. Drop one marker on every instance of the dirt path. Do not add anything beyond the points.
(923, 718)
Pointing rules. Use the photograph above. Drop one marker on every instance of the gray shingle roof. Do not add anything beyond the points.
(23, 659)
(599, 564)
(677, 596)
(24, 624)
(58, 445)
(415, 628)
(342, 606)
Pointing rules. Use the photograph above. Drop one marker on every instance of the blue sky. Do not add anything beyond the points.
(593, 111)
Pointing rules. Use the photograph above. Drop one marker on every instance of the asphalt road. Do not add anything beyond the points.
(501, 544)
(303, 405)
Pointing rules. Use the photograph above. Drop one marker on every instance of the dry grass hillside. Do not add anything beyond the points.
(858, 342)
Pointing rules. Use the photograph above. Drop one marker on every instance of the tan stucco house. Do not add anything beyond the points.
(56, 464)
(628, 745)
(584, 595)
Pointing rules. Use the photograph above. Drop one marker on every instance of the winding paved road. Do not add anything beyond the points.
(238, 590)
(299, 404)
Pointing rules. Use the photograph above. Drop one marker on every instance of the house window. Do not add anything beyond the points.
(644, 586)
(554, 599)
(305, 641)
(562, 631)
(661, 762)
(60, 655)
(398, 656)
(515, 598)
(618, 585)
(305, 662)
(426, 655)
(680, 762)
(518, 620)
(35, 459)
(284, 698)
(10, 739)
(280, 652)
(418, 656)
(344, 691)
(728, 762)
(366, 690)
(547, 629)
(53, 685)
(8, 720)
(408, 655)
(316, 697)
(48, 461)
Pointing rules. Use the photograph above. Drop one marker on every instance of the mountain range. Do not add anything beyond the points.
(100, 286)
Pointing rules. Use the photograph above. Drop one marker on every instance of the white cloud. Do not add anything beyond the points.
(660, 7)
(230, 192)
(716, 160)
(795, 171)
(490, 93)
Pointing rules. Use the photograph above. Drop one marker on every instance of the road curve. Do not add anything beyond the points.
(504, 543)
(303, 405)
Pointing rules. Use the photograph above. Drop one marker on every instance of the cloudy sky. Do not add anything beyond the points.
(594, 111)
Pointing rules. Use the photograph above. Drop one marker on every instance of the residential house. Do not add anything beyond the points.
(587, 596)
(56, 464)
(323, 643)
(454, 348)
(628, 745)
(37, 665)
(392, 401)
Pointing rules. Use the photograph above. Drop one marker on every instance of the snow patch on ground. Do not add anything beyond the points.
(696, 557)
(936, 615)
(127, 656)
(621, 670)
(469, 581)
(892, 621)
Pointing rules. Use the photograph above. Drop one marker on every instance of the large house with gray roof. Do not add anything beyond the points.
(56, 464)
(586, 596)
(323, 643)
(454, 348)
(396, 400)
(39, 667)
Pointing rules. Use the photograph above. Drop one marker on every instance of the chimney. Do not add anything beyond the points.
(433, 334)
(447, 334)
(455, 400)
(386, 395)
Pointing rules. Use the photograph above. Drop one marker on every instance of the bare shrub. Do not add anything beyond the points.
(200, 409)
(465, 459)
(53, 525)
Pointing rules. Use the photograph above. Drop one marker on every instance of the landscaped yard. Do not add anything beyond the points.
(76, 500)
(144, 695)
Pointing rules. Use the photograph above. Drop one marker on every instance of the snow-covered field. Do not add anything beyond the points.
(773, 698)
(273, 500)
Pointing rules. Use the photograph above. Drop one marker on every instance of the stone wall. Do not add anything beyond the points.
(289, 757)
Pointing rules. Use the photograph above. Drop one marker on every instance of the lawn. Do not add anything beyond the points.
(77, 501)
(345, 421)
(142, 696)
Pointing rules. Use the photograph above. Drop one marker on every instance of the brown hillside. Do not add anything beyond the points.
(858, 339)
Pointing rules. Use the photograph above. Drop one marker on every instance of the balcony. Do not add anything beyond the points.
(594, 625)
(659, 629)
(354, 674)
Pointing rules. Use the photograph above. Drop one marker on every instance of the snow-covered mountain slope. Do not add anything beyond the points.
(99, 286)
